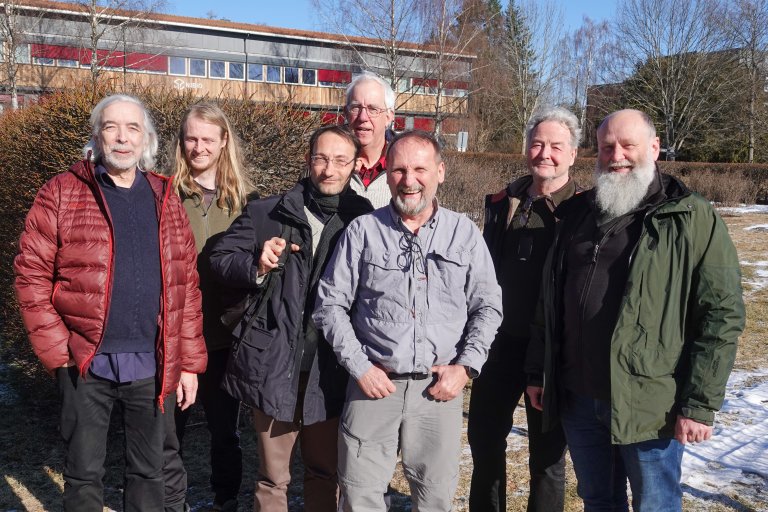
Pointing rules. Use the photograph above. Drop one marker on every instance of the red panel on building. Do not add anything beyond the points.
(399, 124)
(147, 62)
(424, 123)
(426, 82)
(456, 85)
(138, 61)
(50, 51)
(332, 118)
(334, 76)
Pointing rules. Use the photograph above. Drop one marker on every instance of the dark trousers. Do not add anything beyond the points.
(85, 411)
(222, 414)
(495, 394)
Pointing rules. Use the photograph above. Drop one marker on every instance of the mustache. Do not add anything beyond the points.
(619, 164)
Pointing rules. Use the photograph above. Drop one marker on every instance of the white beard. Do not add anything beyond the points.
(620, 193)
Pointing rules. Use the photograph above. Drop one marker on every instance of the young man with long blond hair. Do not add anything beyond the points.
(210, 177)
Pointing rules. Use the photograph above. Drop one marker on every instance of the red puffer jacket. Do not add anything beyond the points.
(64, 276)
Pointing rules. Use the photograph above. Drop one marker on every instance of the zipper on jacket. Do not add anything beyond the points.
(163, 312)
(108, 295)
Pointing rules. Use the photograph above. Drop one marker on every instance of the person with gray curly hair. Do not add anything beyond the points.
(109, 293)
(146, 158)
(519, 227)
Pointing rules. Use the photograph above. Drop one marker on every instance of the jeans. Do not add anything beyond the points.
(602, 469)
(85, 411)
(495, 394)
(222, 414)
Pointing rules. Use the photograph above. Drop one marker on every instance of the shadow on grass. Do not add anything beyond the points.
(30, 443)
(711, 497)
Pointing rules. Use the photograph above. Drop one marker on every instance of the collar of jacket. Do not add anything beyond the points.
(663, 189)
(291, 203)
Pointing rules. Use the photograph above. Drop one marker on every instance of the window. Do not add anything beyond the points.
(256, 72)
(455, 88)
(273, 74)
(45, 61)
(291, 75)
(425, 85)
(403, 85)
(309, 76)
(68, 63)
(218, 69)
(196, 67)
(177, 65)
(22, 54)
(236, 71)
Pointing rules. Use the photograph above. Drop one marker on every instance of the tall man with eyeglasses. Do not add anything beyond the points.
(519, 227)
(293, 382)
(370, 110)
(410, 304)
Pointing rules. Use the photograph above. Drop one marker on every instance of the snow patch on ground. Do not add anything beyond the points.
(760, 276)
(735, 461)
(751, 208)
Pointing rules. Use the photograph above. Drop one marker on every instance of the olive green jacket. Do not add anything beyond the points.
(674, 341)
(208, 225)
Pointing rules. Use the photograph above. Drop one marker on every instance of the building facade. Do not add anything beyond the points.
(59, 44)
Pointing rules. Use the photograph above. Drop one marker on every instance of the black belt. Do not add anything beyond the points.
(412, 376)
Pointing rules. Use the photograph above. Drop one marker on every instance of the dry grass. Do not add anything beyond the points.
(31, 452)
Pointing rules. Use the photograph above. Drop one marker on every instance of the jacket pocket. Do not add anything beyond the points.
(447, 277)
(652, 358)
(382, 291)
(249, 362)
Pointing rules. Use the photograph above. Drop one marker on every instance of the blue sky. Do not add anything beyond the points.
(298, 13)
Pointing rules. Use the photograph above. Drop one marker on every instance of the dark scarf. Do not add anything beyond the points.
(329, 210)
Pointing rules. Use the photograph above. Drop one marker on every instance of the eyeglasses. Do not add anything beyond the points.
(322, 161)
(372, 111)
(411, 254)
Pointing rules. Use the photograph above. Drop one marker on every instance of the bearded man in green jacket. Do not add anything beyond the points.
(641, 309)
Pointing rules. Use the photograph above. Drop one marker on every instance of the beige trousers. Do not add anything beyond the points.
(277, 441)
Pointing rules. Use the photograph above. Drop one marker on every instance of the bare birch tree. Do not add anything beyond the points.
(450, 46)
(395, 25)
(15, 28)
(110, 24)
(747, 23)
(528, 59)
(12, 38)
(677, 60)
(586, 55)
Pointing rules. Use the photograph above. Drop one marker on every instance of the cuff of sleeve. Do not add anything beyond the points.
(700, 415)
(358, 367)
(535, 380)
(471, 372)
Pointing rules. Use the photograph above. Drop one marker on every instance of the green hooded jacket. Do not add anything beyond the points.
(674, 342)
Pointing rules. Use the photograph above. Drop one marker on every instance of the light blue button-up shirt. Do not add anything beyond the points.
(407, 301)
